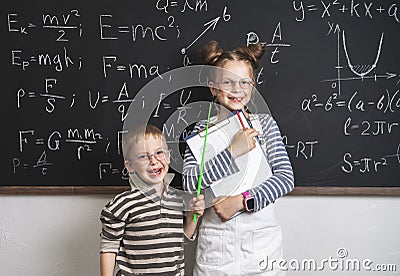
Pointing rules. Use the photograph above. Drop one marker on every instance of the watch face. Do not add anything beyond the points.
(250, 204)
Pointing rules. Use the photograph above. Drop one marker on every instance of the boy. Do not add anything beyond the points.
(142, 229)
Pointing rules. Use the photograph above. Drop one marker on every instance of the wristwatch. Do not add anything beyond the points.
(248, 202)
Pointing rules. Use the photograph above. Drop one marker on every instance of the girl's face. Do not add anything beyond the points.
(234, 85)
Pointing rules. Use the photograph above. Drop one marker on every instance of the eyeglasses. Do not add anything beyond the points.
(144, 159)
(244, 83)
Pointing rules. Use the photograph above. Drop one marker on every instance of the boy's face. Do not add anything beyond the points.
(149, 159)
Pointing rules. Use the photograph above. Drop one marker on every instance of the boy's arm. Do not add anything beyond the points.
(111, 235)
(107, 264)
(190, 227)
(197, 205)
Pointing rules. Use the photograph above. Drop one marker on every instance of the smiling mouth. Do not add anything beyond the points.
(155, 172)
(235, 99)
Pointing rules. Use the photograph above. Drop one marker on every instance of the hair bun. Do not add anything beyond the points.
(257, 49)
(211, 53)
(254, 52)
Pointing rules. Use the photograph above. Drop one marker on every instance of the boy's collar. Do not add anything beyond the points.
(136, 182)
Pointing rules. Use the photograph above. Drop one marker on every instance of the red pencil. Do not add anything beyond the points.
(240, 119)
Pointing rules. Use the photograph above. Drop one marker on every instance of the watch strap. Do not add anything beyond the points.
(246, 197)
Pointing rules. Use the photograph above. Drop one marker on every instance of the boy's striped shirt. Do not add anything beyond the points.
(145, 232)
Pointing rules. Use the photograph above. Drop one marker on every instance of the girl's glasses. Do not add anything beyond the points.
(228, 84)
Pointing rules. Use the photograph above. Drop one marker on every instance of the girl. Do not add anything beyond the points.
(244, 244)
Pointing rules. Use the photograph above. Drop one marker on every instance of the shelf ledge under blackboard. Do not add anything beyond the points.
(298, 191)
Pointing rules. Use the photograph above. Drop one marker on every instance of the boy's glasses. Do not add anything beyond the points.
(144, 159)
(228, 84)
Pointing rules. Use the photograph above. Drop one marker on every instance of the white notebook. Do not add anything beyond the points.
(253, 166)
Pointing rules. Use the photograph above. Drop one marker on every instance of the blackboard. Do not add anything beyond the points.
(70, 70)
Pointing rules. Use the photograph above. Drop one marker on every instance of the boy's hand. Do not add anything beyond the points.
(197, 205)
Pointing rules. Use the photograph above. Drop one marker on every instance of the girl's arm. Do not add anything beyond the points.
(215, 169)
(282, 180)
(280, 183)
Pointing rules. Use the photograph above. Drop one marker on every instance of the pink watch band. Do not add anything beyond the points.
(247, 196)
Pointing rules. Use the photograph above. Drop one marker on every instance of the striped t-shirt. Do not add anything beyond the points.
(145, 231)
(279, 184)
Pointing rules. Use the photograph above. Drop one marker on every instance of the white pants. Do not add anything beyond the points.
(240, 246)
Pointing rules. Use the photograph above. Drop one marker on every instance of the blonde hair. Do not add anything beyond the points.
(133, 137)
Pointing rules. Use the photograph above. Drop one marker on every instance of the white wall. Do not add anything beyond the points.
(317, 227)
(58, 235)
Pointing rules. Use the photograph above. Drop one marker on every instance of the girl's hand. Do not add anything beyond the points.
(197, 205)
(243, 142)
(226, 206)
